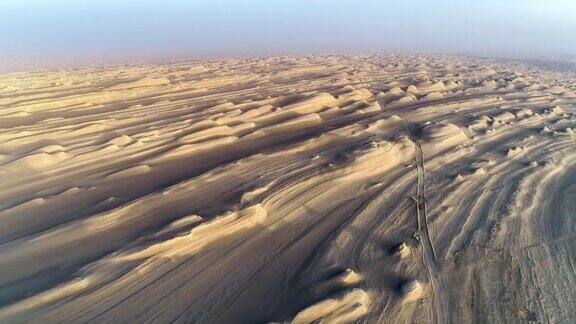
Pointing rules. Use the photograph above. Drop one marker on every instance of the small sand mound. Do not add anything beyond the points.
(514, 151)
(504, 117)
(403, 250)
(433, 96)
(38, 160)
(405, 99)
(451, 85)
(343, 279)
(479, 123)
(557, 110)
(349, 277)
(50, 149)
(122, 140)
(314, 104)
(490, 84)
(523, 112)
(396, 91)
(412, 89)
(428, 87)
(479, 171)
(412, 291)
(360, 94)
(444, 133)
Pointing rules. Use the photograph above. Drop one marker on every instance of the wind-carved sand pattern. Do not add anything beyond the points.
(380, 189)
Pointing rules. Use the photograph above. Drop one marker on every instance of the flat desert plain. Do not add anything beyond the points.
(308, 189)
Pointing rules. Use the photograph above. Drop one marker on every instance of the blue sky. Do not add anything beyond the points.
(229, 27)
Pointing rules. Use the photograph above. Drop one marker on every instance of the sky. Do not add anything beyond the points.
(204, 28)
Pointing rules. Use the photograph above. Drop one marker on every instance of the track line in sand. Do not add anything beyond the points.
(441, 308)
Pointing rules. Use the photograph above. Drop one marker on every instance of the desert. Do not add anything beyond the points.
(377, 188)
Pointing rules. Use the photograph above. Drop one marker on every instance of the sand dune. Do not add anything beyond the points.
(383, 188)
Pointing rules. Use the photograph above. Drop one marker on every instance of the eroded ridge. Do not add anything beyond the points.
(380, 188)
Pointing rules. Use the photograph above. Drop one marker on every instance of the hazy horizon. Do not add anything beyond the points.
(153, 29)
